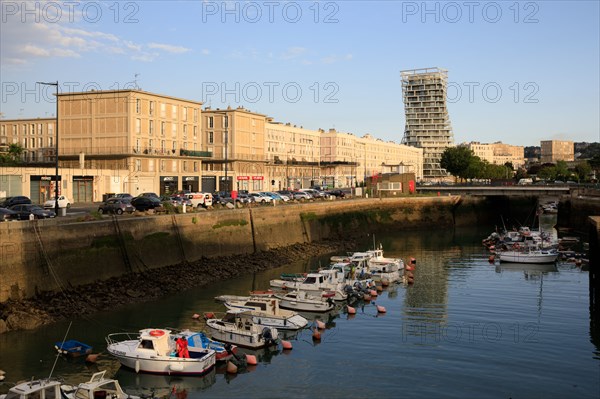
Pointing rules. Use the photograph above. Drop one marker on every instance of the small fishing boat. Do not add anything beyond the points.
(72, 348)
(98, 387)
(528, 255)
(35, 389)
(266, 312)
(155, 351)
(304, 301)
(238, 327)
(314, 283)
(227, 298)
(197, 341)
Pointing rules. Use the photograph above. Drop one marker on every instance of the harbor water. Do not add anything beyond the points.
(465, 328)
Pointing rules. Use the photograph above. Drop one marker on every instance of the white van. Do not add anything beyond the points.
(200, 199)
(526, 181)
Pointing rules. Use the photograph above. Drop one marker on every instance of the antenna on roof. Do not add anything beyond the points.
(135, 81)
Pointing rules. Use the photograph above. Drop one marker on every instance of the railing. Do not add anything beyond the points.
(188, 153)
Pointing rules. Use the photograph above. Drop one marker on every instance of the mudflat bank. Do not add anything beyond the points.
(48, 307)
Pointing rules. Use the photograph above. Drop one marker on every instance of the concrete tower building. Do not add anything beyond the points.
(427, 121)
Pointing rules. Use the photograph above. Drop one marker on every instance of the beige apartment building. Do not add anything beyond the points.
(499, 153)
(557, 150)
(236, 138)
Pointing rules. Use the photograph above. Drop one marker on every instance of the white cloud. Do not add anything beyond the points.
(293, 52)
(169, 48)
(333, 58)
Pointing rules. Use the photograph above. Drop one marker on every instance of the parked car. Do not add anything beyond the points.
(24, 210)
(337, 193)
(245, 198)
(8, 215)
(116, 205)
(261, 198)
(302, 196)
(273, 196)
(7, 202)
(63, 202)
(153, 195)
(143, 203)
(200, 199)
(124, 196)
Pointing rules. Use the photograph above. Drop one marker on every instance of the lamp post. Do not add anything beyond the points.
(56, 146)
(226, 140)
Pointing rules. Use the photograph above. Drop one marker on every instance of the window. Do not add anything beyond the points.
(39, 128)
(174, 111)
(195, 115)
(163, 110)
(137, 145)
(32, 129)
(163, 147)
(50, 129)
(185, 132)
(185, 166)
(50, 142)
(195, 166)
(32, 143)
(3, 130)
(150, 127)
(195, 132)
(40, 142)
(162, 165)
(151, 144)
(151, 165)
(226, 121)
(138, 165)
(173, 130)
(14, 129)
(138, 126)
(138, 106)
(162, 128)
(211, 138)
(174, 146)
(174, 166)
(151, 108)
(185, 112)
(211, 122)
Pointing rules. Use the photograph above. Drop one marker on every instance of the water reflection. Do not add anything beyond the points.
(141, 384)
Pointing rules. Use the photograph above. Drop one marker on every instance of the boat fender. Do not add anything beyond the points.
(231, 368)
(157, 333)
(286, 344)
(351, 310)
(380, 309)
(251, 360)
(137, 366)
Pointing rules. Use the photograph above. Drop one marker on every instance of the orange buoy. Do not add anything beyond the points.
(380, 309)
(157, 333)
(316, 335)
(351, 310)
(231, 368)
(320, 324)
(492, 258)
(251, 360)
(286, 344)
(209, 315)
(373, 293)
(195, 316)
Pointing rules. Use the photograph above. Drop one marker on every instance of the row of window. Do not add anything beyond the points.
(151, 149)
(26, 128)
(30, 143)
(163, 110)
(186, 166)
(211, 121)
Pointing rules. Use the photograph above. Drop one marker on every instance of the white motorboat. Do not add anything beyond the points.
(385, 270)
(238, 327)
(314, 283)
(528, 255)
(50, 388)
(154, 351)
(266, 312)
(303, 301)
(97, 387)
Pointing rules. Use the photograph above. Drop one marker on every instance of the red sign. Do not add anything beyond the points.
(258, 178)
(242, 177)
(411, 186)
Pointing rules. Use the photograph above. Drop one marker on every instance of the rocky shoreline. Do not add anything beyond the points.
(46, 308)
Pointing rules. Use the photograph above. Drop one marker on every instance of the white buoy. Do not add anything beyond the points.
(137, 366)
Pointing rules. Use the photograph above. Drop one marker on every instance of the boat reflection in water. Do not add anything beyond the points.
(527, 268)
(153, 385)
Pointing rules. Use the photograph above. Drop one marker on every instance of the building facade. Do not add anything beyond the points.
(557, 150)
(36, 137)
(499, 153)
(427, 120)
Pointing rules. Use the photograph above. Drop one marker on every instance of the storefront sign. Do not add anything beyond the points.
(243, 178)
(258, 177)
(190, 178)
(168, 178)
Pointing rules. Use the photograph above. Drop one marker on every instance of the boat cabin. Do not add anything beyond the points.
(37, 389)
(99, 387)
(155, 341)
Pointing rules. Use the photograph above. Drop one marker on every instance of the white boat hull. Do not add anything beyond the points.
(165, 364)
(225, 332)
(528, 257)
(295, 322)
(303, 305)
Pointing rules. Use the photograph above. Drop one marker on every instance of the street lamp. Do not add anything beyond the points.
(56, 146)
(226, 181)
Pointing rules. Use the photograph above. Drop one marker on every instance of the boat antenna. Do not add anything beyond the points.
(58, 354)
(503, 225)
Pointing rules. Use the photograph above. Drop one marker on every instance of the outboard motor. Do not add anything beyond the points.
(267, 336)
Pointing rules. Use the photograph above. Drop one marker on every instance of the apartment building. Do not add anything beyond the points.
(427, 120)
(236, 138)
(557, 150)
(36, 137)
(499, 153)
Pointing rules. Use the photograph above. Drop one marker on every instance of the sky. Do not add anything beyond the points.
(518, 72)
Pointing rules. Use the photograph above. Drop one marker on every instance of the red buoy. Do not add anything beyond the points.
(286, 344)
(251, 360)
(231, 368)
(380, 309)
(316, 335)
(320, 324)
(351, 310)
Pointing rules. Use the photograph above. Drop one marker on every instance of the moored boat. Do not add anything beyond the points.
(528, 255)
(303, 301)
(197, 341)
(72, 348)
(97, 387)
(266, 312)
(155, 351)
(238, 327)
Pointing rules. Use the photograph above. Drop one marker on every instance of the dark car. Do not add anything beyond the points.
(152, 195)
(7, 215)
(337, 193)
(126, 196)
(10, 201)
(24, 210)
(116, 205)
(143, 203)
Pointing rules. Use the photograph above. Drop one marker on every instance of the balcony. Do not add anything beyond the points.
(199, 154)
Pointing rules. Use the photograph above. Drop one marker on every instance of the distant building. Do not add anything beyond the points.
(557, 150)
(532, 154)
(499, 153)
(427, 120)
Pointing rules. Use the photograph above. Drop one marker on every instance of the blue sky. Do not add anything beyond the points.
(519, 72)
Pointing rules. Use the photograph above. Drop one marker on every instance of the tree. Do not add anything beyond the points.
(547, 173)
(583, 170)
(13, 156)
(456, 160)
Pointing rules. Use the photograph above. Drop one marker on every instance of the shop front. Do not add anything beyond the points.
(209, 184)
(257, 183)
(242, 183)
(168, 185)
(83, 188)
(41, 188)
(191, 183)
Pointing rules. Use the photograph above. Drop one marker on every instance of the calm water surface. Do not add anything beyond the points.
(466, 328)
